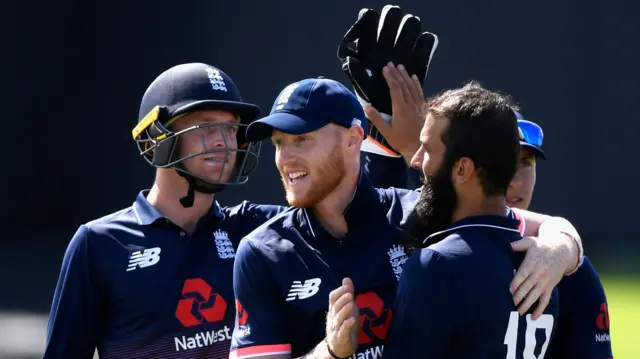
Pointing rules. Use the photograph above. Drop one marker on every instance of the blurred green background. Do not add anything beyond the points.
(623, 295)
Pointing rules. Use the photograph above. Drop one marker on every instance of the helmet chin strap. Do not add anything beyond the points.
(196, 184)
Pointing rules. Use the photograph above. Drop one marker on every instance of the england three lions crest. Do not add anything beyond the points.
(224, 245)
(397, 258)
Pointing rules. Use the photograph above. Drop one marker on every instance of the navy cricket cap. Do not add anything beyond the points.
(308, 105)
(193, 87)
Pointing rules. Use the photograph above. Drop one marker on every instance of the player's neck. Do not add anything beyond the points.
(330, 212)
(481, 206)
(165, 197)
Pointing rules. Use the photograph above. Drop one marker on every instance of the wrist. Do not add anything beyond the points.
(573, 242)
(328, 353)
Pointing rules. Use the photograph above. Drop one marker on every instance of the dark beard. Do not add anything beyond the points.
(434, 210)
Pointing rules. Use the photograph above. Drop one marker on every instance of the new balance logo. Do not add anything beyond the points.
(144, 259)
(304, 291)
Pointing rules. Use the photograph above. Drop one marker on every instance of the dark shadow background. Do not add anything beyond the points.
(73, 73)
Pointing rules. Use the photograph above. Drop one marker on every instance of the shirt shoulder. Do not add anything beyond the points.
(399, 203)
(253, 210)
(276, 233)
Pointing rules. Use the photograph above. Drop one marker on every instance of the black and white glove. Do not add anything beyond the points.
(372, 42)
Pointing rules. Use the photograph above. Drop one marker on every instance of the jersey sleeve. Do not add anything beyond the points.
(583, 325)
(426, 310)
(261, 328)
(76, 311)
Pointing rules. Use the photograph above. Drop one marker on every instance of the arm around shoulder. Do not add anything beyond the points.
(555, 228)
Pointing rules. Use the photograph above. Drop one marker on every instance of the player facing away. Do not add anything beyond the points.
(342, 233)
(583, 325)
(454, 298)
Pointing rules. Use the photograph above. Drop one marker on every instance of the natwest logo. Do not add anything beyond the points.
(241, 314)
(602, 321)
(199, 304)
(374, 318)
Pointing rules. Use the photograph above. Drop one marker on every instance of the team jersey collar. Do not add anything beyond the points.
(147, 214)
(358, 212)
(501, 223)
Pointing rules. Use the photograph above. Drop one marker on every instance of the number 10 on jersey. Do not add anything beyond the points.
(511, 337)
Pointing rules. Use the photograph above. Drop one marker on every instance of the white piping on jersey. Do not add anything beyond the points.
(135, 213)
(308, 221)
(453, 229)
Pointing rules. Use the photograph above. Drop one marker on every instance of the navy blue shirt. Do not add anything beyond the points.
(583, 327)
(135, 285)
(285, 270)
(453, 299)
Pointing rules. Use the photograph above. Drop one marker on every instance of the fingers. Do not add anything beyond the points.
(531, 298)
(345, 328)
(536, 277)
(524, 271)
(336, 294)
(416, 91)
(523, 289)
(401, 86)
(348, 284)
(522, 245)
(345, 311)
(376, 118)
(543, 302)
(345, 299)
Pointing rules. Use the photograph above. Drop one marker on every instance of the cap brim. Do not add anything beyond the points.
(282, 121)
(246, 111)
(535, 150)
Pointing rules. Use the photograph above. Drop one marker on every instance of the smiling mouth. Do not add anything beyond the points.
(514, 200)
(296, 176)
(213, 161)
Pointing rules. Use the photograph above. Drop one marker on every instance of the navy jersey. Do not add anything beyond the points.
(454, 302)
(285, 270)
(135, 285)
(583, 327)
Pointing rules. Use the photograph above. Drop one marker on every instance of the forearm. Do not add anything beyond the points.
(553, 226)
(544, 226)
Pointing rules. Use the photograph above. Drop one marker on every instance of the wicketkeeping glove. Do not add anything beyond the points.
(373, 41)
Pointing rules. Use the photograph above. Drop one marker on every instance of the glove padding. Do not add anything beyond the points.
(370, 44)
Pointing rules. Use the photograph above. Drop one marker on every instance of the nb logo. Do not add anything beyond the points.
(304, 291)
(144, 259)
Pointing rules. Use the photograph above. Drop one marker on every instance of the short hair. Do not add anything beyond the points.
(482, 127)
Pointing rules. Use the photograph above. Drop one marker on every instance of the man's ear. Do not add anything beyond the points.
(463, 170)
(355, 136)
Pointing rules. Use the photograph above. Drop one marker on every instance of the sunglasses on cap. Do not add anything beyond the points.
(530, 133)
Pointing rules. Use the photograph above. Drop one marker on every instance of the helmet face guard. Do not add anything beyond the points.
(160, 147)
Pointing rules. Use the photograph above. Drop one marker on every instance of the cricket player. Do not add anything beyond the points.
(154, 280)
(454, 298)
(583, 326)
(342, 239)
